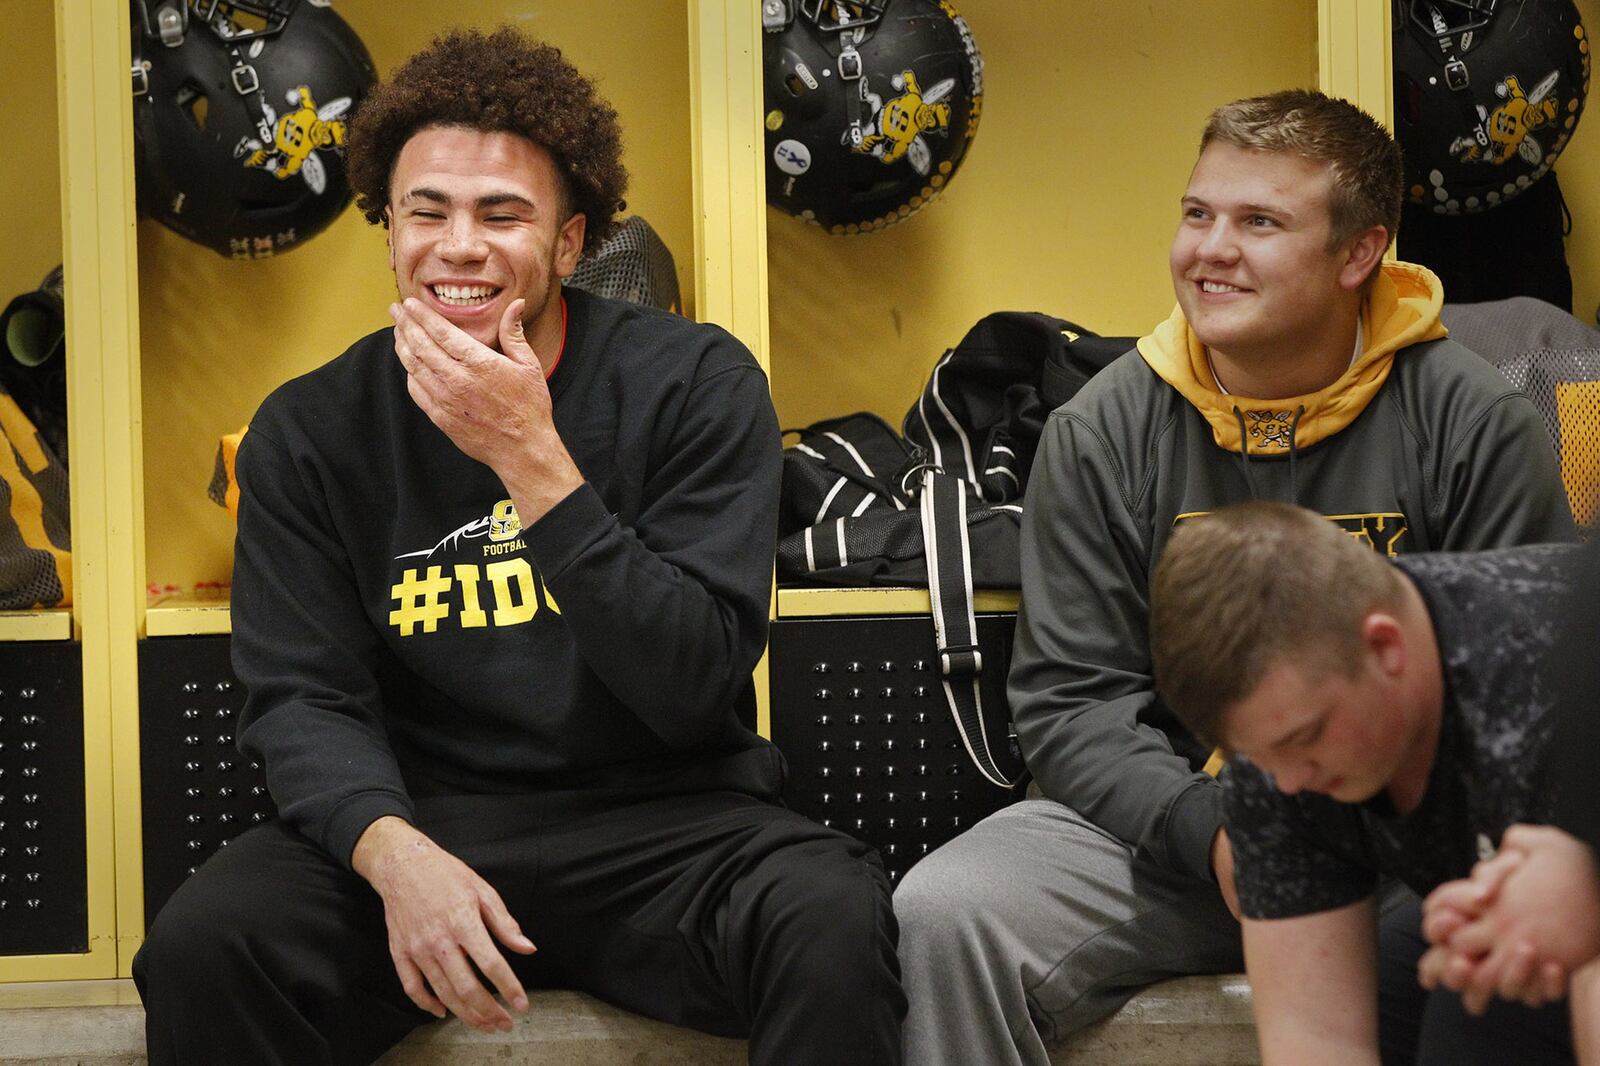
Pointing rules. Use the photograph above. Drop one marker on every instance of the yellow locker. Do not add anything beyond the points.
(1066, 204)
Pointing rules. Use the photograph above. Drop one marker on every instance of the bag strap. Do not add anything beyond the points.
(949, 556)
(949, 444)
(857, 473)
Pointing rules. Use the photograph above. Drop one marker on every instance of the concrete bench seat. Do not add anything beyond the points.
(1193, 1021)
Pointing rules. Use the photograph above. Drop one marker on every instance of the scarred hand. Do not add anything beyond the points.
(494, 406)
(440, 915)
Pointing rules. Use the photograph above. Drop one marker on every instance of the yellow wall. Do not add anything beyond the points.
(1065, 203)
(1581, 158)
(218, 335)
(29, 169)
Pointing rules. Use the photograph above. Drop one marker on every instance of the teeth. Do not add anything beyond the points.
(464, 295)
(1217, 286)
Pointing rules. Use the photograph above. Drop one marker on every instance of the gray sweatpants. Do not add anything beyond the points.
(1035, 923)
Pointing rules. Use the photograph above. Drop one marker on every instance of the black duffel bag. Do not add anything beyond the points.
(940, 504)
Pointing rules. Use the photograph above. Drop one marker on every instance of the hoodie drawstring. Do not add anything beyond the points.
(1294, 448)
(1244, 452)
(1294, 425)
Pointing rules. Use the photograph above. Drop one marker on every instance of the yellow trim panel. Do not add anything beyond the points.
(1353, 54)
(824, 603)
(54, 623)
(188, 616)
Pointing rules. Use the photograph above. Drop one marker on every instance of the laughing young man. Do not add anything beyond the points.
(1379, 720)
(501, 579)
(1297, 366)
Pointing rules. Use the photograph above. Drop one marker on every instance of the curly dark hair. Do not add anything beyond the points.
(501, 82)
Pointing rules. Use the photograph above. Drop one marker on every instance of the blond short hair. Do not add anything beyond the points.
(1366, 178)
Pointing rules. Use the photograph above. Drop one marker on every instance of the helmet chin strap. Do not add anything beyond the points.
(847, 14)
(849, 67)
(1469, 15)
(1453, 36)
(168, 20)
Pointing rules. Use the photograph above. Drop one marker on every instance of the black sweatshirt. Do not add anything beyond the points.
(401, 634)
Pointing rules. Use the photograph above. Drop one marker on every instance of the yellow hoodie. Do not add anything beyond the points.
(1401, 309)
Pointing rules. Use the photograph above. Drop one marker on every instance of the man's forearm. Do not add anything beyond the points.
(1096, 759)
(666, 595)
(540, 479)
(379, 843)
(1314, 983)
(1585, 999)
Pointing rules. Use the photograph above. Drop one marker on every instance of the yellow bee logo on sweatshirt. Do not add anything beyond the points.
(503, 521)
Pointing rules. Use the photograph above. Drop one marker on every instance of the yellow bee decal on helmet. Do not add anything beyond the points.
(1508, 129)
(297, 134)
(899, 124)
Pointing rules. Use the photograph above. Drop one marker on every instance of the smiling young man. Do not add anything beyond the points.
(1379, 720)
(500, 582)
(1296, 366)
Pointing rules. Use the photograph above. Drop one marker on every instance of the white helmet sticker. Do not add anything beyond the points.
(792, 157)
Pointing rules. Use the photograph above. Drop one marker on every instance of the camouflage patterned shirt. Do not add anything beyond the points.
(1497, 615)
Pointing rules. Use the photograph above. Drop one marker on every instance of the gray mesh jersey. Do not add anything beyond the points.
(1497, 615)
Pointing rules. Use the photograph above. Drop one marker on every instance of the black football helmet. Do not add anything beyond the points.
(1486, 95)
(870, 107)
(239, 118)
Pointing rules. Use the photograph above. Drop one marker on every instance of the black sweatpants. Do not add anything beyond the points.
(717, 911)
(1426, 1028)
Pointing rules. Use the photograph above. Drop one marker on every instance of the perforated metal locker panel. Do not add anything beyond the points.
(198, 791)
(860, 715)
(44, 891)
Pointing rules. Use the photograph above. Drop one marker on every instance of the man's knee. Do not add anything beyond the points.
(961, 900)
(824, 908)
(197, 934)
(934, 903)
(830, 890)
(243, 916)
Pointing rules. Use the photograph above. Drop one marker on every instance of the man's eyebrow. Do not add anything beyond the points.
(499, 199)
(423, 192)
(1267, 209)
(1296, 734)
(1247, 208)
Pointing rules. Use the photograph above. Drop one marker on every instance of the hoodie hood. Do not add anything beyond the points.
(1402, 309)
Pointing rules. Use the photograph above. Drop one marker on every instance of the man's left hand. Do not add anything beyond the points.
(494, 406)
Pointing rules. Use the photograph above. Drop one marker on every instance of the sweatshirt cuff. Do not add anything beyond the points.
(567, 529)
(1193, 823)
(345, 826)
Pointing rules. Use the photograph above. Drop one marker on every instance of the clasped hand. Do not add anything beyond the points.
(1519, 926)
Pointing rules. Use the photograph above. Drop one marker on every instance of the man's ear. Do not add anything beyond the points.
(569, 244)
(1362, 257)
(388, 235)
(1385, 640)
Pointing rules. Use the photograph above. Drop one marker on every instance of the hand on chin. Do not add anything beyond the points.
(475, 324)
